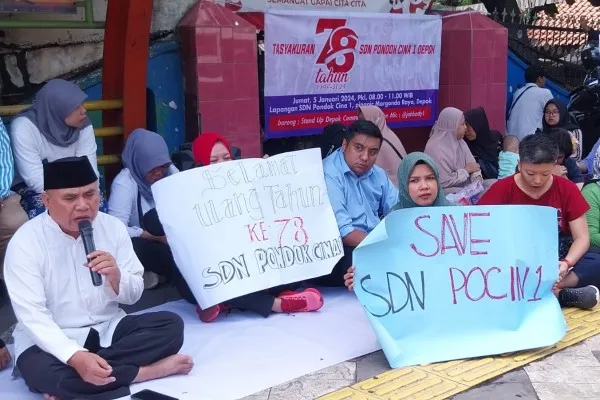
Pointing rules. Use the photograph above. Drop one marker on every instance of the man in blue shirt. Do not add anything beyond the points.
(12, 215)
(360, 192)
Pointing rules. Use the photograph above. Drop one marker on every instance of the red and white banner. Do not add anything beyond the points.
(373, 6)
(319, 67)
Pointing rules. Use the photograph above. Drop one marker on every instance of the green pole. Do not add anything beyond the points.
(15, 24)
(88, 8)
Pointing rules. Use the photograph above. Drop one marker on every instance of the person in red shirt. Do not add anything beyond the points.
(534, 184)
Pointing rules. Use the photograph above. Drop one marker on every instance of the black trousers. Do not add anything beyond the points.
(336, 277)
(138, 340)
(587, 268)
(158, 258)
(259, 302)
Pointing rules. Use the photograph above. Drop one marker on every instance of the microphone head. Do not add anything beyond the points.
(85, 225)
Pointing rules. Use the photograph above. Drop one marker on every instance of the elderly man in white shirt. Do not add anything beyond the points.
(72, 340)
(526, 112)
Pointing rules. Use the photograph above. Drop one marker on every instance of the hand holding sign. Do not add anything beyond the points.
(444, 283)
(246, 225)
(349, 278)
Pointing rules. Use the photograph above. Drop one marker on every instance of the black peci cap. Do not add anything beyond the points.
(69, 172)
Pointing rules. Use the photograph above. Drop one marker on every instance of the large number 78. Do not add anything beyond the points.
(300, 236)
(342, 42)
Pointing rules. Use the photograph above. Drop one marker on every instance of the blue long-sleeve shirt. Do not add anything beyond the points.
(7, 166)
(358, 201)
(573, 172)
(589, 160)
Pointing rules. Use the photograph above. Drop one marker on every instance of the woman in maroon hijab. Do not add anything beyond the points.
(212, 148)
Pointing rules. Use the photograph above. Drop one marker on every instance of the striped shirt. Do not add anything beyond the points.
(7, 168)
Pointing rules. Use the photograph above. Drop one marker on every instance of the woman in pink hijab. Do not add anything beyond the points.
(392, 151)
(450, 152)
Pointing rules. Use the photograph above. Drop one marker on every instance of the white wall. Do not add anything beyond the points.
(48, 53)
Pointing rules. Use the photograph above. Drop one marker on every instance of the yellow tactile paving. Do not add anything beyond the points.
(444, 380)
(472, 372)
(592, 317)
(348, 394)
(409, 383)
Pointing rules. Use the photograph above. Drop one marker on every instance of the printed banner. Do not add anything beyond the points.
(246, 225)
(319, 67)
(38, 6)
(447, 283)
(374, 6)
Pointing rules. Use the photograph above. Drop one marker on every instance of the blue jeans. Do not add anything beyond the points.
(587, 269)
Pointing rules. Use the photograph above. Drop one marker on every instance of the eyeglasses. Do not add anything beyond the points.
(552, 113)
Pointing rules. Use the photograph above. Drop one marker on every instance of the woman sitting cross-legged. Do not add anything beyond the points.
(536, 185)
(212, 148)
(419, 187)
(483, 142)
(451, 153)
(146, 161)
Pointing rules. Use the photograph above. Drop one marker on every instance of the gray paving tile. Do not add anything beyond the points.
(316, 384)
(566, 367)
(567, 391)
(516, 376)
(264, 395)
(500, 391)
(576, 356)
(593, 343)
(370, 365)
(568, 374)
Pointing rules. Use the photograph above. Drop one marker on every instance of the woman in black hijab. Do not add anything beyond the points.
(484, 143)
(556, 115)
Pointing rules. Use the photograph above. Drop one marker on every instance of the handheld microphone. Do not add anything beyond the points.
(87, 236)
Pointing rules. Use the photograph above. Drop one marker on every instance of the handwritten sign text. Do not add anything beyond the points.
(461, 276)
(247, 225)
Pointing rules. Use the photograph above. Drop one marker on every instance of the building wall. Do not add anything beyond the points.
(29, 57)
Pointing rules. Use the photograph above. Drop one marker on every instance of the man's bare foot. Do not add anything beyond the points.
(178, 364)
(50, 397)
(4, 357)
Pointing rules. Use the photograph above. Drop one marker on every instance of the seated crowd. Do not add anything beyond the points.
(72, 341)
